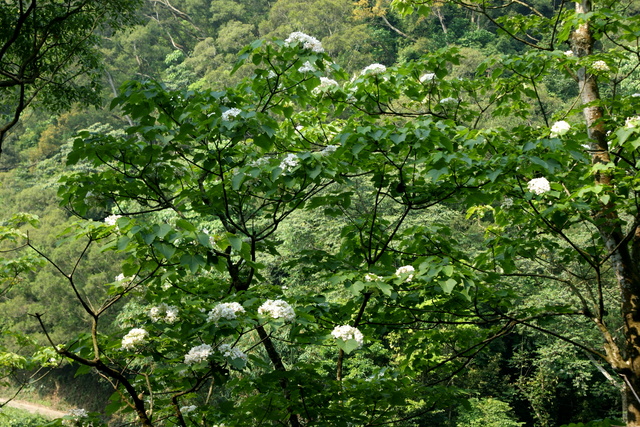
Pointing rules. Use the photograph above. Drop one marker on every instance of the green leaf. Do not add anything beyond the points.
(235, 242)
(448, 285)
(165, 249)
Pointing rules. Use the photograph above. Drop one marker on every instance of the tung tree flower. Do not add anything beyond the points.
(225, 310)
(539, 186)
(600, 66)
(427, 77)
(230, 114)
(134, 338)
(164, 313)
(370, 277)
(233, 353)
(374, 69)
(448, 101)
(325, 83)
(560, 128)
(305, 40)
(289, 162)
(277, 309)
(346, 332)
(406, 269)
(198, 354)
(307, 67)
(111, 219)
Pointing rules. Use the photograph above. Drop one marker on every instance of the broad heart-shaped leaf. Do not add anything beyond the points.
(235, 242)
(448, 285)
(165, 249)
(194, 262)
(347, 346)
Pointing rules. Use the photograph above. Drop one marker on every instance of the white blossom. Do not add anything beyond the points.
(307, 67)
(346, 332)
(448, 101)
(111, 219)
(507, 203)
(277, 309)
(78, 413)
(124, 280)
(164, 313)
(600, 65)
(198, 354)
(635, 95)
(289, 162)
(427, 77)
(406, 269)
(134, 338)
(374, 69)
(325, 83)
(328, 150)
(539, 186)
(632, 122)
(307, 41)
(568, 53)
(232, 353)
(230, 114)
(560, 128)
(370, 277)
(187, 409)
(262, 161)
(225, 310)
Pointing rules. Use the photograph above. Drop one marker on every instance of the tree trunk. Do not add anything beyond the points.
(625, 360)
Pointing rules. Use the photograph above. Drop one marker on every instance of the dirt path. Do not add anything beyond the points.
(34, 408)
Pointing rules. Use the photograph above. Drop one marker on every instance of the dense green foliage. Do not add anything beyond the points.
(289, 186)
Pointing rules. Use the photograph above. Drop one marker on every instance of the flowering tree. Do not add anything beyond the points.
(203, 182)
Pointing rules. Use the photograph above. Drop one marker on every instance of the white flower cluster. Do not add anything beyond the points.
(307, 67)
(560, 128)
(289, 162)
(507, 203)
(406, 269)
(448, 101)
(121, 278)
(164, 313)
(225, 310)
(374, 69)
(632, 122)
(539, 186)
(328, 150)
(370, 277)
(277, 309)
(232, 353)
(78, 413)
(198, 354)
(568, 53)
(111, 219)
(187, 409)
(305, 40)
(325, 83)
(427, 77)
(600, 65)
(134, 338)
(230, 114)
(346, 332)
(262, 161)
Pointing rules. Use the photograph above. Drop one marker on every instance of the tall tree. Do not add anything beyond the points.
(48, 52)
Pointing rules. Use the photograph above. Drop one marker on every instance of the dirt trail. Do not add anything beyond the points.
(34, 408)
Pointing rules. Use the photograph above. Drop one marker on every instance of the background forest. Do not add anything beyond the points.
(525, 373)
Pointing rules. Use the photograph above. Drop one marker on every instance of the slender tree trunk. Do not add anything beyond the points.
(624, 261)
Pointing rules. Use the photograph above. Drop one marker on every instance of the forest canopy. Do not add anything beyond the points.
(337, 213)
